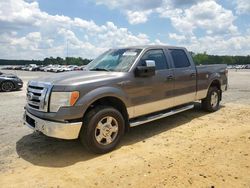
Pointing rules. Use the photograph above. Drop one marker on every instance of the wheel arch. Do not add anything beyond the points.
(216, 83)
(108, 97)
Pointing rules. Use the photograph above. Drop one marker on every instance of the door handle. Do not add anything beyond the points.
(170, 77)
(193, 75)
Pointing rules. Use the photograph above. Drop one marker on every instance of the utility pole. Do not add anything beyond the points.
(67, 52)
(67, 48)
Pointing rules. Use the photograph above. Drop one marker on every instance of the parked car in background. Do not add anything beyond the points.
(65, 68)
(82, 67)
(72, 67)
(25, 68)
(10, 82)
(17, 68)
(7, 68)
(48, 68)
(33, 67)
(56, 68)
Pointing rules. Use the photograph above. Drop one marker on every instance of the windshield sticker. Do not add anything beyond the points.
(129, 53)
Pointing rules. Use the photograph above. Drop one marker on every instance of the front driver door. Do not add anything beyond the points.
(154, 93)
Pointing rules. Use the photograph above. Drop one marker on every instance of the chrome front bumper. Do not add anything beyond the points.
(52, 129)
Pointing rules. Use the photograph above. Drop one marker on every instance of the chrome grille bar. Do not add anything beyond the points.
(35, 90)
(38, 95)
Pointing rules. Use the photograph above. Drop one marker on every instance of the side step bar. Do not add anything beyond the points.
(147, 119)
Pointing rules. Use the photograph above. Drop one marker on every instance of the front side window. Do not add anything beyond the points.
(117, 60)
(156, 55)
(180, 58)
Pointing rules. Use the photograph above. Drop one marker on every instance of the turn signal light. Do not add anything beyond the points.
(73, 98)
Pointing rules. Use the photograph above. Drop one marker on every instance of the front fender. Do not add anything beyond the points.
(87, 99)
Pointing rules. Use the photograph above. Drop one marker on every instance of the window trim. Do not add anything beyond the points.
(169, 50)
(166, 60)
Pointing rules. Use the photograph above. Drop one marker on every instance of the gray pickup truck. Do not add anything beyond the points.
(121, 88)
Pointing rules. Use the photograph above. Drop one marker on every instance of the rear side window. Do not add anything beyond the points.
(180, 58)
(156, 55)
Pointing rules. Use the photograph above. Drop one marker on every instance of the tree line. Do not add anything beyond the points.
(47, 61)
(201, 58)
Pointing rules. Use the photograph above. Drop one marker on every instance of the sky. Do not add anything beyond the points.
(35, 29)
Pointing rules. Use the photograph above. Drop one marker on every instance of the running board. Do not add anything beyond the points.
(159, 116)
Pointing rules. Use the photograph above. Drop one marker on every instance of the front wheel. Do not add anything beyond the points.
(102, 130)
(212, 102)
(7, 86)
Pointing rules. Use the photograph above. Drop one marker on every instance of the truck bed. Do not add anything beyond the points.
(205, 73)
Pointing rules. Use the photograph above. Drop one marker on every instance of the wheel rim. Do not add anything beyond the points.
(214, 99)
(7, 86)
(106, 130)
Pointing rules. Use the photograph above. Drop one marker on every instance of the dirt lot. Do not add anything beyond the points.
(191, 149)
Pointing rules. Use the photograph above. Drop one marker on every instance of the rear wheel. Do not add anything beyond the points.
(212, 102)
(7, 86)
(102, 130)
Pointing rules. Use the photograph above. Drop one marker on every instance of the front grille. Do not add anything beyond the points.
(38, 95)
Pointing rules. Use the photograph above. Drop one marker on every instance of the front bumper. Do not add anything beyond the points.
(52, 129)
(18, 85)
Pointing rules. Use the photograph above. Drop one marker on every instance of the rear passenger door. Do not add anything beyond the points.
(185, 77)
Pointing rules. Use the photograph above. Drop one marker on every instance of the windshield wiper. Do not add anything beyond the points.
(99, 69)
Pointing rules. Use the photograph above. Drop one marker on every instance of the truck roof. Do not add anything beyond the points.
(154, 46)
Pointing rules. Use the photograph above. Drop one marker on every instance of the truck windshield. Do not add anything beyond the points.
(117, 60)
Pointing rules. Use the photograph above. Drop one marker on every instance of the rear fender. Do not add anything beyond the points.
(215, 77)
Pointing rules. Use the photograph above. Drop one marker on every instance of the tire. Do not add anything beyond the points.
(7, 86)
(99, 132)
(212, 102)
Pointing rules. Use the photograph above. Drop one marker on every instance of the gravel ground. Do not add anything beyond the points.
(191, 149)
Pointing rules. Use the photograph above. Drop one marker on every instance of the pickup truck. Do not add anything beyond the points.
(120, 89)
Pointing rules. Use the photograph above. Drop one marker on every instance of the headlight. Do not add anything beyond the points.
(60, 99)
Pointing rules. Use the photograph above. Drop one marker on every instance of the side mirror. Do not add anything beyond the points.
(147, 70)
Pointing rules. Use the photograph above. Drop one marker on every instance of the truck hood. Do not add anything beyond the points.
(79, 77)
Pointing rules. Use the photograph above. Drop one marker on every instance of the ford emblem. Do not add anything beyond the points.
(30, 96)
